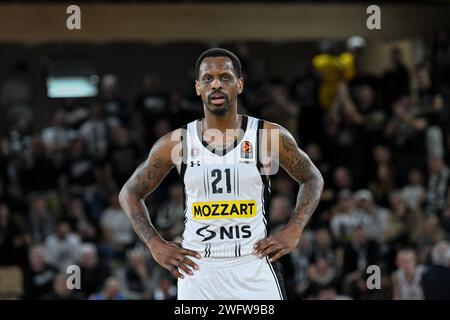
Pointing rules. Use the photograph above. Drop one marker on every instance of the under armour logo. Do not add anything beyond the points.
(195, 164)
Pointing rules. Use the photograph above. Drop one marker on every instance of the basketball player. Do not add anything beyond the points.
(225, 252)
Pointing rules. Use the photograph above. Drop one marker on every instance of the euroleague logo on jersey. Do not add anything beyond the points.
(229, 232)
(246, 150)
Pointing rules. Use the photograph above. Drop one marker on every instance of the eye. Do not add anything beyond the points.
(226, 77)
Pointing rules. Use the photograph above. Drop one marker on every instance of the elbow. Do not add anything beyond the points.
(321, 181)
(314, 181)
(318, 178)
(128, 196)
(123, 196)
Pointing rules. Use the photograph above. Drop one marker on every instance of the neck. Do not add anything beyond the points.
(230, 120)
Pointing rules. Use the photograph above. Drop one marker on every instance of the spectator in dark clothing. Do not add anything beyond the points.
(358, 254)
(138, 278)
(38, 277)
(436, 280)
(13, 243)
(15, 203)
(323, 247)
(406, 131)
(97, 132)
(123, 157)
(432, 107)
(396, 79)
(58, 136)
(81, 178)
(440, 53)
(61, 291)
(40, 173)
(41, 223)
(93, 273)
(78, 220)
(115, 106)
(383, 184)
(304, 90)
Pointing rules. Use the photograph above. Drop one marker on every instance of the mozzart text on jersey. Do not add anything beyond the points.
(223, 209)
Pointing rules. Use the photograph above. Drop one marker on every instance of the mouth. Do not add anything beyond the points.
(217, 98)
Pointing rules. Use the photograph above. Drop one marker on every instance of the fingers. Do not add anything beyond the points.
(191, 253)
(179, 263)
(190, 263)
(278, 255)
(183, 267)
(262, 245)
(174, 268)
(176, 273)
(182, 253)
(269, 246)
(271, 249)
(172, 257)
(262, 241)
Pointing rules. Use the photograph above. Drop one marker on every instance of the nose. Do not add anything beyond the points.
(216, 84)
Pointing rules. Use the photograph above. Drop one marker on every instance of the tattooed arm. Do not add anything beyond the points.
(145, 180)
(298, 165)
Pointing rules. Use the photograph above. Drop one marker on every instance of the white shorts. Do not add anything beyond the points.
(237, 278)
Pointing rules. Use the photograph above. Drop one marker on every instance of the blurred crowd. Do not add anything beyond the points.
(381, 142)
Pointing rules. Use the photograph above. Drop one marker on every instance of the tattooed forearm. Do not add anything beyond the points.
(300, 167)
(142, 225)
(307, 201)
(144, 180)
(137, 212)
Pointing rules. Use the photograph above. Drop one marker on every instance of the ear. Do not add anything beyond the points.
(197, 87)
(240, 85)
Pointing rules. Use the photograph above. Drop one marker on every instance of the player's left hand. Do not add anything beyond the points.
(279, 244)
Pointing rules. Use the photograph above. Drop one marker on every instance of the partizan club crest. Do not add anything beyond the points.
(195, 151)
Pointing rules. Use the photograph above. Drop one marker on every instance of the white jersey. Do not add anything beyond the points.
(226, 197)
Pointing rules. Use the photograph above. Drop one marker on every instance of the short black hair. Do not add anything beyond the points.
(219, 52)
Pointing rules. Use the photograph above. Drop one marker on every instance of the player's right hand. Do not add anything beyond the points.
(172, 257)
